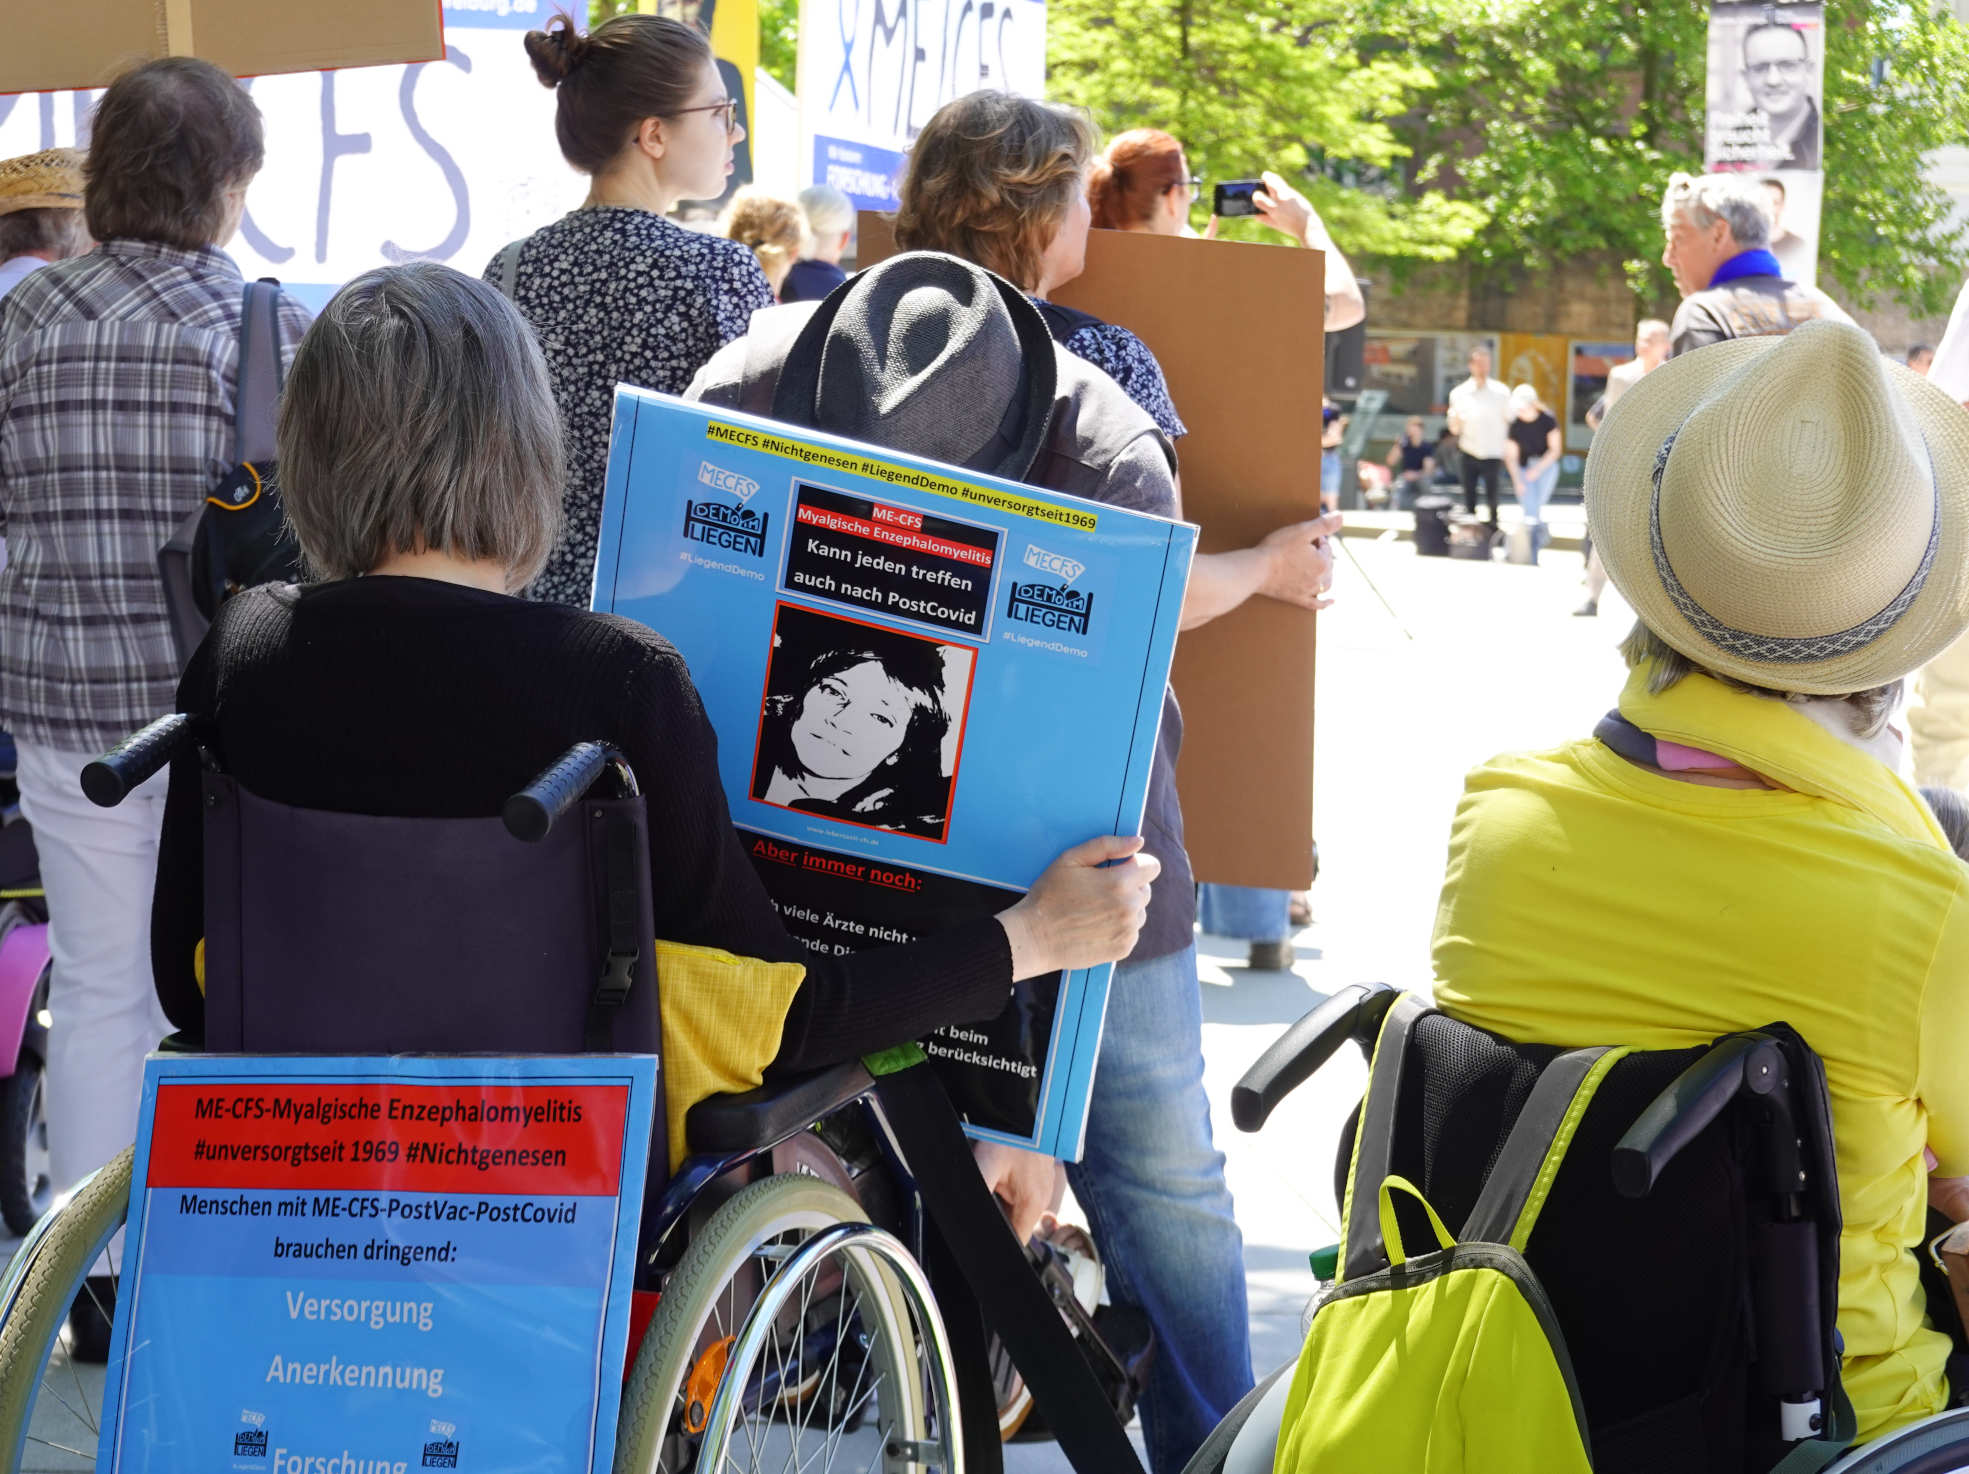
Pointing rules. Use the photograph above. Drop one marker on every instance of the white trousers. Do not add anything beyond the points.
(98, 867)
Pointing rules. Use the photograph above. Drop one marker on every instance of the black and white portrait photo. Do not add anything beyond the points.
(1766, 77)
(861, 724)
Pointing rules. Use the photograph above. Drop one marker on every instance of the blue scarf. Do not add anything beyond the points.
(1747, 263)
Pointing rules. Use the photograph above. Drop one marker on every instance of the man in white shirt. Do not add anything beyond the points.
(1480, 418)
(40, 213)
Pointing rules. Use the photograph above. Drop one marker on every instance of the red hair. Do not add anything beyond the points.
(1130, 179)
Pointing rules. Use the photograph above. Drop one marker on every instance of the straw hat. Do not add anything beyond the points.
(49, 180)
(1792, 512)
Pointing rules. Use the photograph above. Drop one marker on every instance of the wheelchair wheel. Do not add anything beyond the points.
(845, 1361)
(50, 1405)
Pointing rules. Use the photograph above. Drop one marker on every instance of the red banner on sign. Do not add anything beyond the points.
(389, 1137)
(895, 537)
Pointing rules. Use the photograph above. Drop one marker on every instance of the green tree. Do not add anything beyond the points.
(1263, 84)
(1563, 123)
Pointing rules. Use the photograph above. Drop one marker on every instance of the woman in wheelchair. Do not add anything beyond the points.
(1735, 844)
(421, 466)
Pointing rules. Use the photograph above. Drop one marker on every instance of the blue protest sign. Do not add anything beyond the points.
(926, 684)
(374, 1266)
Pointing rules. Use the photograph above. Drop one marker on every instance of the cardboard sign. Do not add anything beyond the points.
(53, 48)
(1238, 329)
(401, 1264)
(871, 74)
(925, 682)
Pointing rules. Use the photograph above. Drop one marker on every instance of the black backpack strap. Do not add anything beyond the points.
(1013, 1301)
(257, 394)
(1516, 1188)
(1362, 1251)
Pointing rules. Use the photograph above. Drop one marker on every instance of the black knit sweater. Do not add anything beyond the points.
(412, 698)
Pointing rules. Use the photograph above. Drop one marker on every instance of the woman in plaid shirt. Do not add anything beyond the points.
(117, 375)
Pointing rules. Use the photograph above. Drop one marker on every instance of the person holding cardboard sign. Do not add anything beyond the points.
(1001, 181)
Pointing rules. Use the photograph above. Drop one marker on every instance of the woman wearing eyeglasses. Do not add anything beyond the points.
(616, 292)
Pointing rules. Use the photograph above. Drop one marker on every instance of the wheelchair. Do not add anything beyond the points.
(1689, 1246)
(796, 1325)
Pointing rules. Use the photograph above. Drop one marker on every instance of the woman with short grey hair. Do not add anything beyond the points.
(421, 461)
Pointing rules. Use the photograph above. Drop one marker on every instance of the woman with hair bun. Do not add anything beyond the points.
(616, 292)
(771, 228)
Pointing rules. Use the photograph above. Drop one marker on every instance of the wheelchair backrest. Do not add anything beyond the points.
(1669, 1330)
(331, 933)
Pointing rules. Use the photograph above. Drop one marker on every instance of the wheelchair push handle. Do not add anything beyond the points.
(119, 772)
(1355, 1012)
(531, 813)
(1750, 1064)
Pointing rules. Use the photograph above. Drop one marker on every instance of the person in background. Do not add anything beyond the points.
(1792, 250)
(616, 292)
(117, 381)
(1531, 453)
(769, 227)
(1921, 358)
(1448, 459)
(1002, 181)
(40, 213)
(1333, 430)
(1650, 352)
(1718, 230)
(1480, 416)
(1414, 463)
(830, 231)
(1142, 182)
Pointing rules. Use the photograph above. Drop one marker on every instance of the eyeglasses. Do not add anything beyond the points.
(1194, 184)
(1787, 69)
(726, 105)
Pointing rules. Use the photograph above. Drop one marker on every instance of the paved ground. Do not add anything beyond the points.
(1450, 662)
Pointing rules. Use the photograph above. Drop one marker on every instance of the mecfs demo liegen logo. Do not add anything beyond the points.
(1051, 606)
(251, 1441)
(729, 482)
(719, 525)
(441, 1453)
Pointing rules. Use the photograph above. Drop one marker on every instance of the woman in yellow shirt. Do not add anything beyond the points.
(1736, 845)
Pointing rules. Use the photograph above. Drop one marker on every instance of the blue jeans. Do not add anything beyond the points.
(1245, 912)
(1152, 1185)
(1531, 502)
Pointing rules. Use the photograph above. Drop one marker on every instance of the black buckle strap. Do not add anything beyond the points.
(625, 948)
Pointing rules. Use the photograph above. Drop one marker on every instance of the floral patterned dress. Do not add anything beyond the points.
(619, 294)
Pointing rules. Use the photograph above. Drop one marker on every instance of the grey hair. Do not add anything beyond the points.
(57, 232)
(827, 209)
(417, 417)
(1870, 709)
(1732, 198)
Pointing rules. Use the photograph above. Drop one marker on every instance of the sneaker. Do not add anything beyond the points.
(89, 1317)
(1270, 957)
(1587, 610)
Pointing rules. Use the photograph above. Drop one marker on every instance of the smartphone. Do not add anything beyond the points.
(1232, 198)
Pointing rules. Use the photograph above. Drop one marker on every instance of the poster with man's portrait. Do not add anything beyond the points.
(1766, 82)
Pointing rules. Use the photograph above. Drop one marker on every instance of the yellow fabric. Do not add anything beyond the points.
(1391, 1232)
(722, 1019)
(1448, 1376)
(1589, 901)
(198, 964)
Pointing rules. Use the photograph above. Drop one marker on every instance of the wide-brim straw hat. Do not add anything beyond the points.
(49, 180)
(1792, 512)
